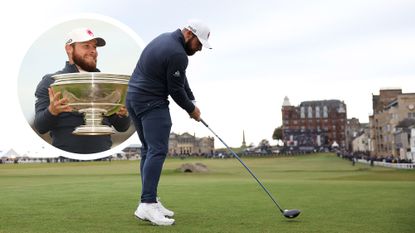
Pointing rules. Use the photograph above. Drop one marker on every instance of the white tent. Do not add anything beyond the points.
(10, 154)
(334, 144)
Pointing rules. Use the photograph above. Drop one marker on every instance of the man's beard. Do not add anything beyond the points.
(83, 63)
(188, 49)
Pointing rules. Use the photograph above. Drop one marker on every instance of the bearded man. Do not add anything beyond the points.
(54, 115)
(161, 72)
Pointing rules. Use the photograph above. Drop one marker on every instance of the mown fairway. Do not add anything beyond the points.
(333, 195)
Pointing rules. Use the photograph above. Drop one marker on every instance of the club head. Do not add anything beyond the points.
(291, 213)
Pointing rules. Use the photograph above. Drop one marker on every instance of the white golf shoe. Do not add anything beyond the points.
(166, 212)
(152, 213)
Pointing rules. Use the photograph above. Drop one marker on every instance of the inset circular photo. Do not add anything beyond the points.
(72, 85)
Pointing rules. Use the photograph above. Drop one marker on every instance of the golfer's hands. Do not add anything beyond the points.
(195, 114)
(122, 112)
(56, 104)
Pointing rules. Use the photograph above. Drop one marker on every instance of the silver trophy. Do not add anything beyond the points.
(95, 95)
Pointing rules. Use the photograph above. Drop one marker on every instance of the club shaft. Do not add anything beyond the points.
(247, 168)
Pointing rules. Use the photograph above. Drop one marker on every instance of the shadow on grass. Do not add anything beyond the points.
(293, 221)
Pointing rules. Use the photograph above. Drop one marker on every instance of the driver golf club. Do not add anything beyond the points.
(287, 213)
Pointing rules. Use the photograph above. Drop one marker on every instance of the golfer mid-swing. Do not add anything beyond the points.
(160, 72)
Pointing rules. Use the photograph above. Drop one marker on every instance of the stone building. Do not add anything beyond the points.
(404, 134)
(360, 142)
(353, 129)
(132, 151)
(390, 107)
(412, 144)
(314, 124)
(187, 144)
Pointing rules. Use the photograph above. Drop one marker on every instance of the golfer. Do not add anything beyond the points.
(160, 72)
(54, 115)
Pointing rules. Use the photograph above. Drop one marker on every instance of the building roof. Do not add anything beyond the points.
(391, 89)
(187, 135)
(331, 103)
(134, 146)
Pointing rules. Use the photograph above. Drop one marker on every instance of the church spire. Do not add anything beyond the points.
(243, 139)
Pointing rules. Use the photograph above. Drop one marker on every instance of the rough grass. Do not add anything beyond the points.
(334, 196)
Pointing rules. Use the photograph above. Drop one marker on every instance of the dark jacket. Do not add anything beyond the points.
(62, 126)
(160, 72)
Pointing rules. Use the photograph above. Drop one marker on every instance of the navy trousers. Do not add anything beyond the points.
(153, 128)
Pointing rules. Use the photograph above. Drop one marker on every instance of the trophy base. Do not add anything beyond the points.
(93, 123)
(93, 130)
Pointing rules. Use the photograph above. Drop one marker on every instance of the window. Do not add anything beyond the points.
(310, 112)
(317, 112)
(411, 115)
(302, 112)
(325, 114)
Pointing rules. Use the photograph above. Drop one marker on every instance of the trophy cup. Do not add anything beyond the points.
(95, 95)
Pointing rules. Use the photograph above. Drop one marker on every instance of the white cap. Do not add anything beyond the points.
(200, 30)
(82, 35)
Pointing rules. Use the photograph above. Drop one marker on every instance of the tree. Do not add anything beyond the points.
(264, 146)
(264, 143)
(277, 135)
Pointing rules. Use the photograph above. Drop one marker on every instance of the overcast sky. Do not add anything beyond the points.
(262, 52)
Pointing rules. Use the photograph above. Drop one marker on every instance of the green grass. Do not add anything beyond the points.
(333, 195)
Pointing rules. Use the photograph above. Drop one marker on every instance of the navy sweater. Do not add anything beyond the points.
(62, 125)
(161, 71)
